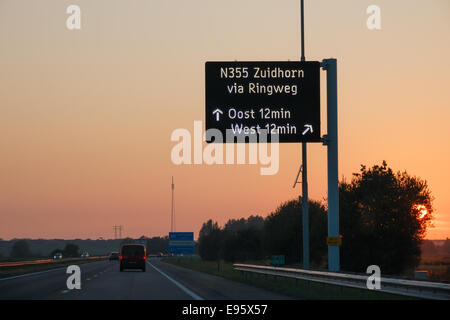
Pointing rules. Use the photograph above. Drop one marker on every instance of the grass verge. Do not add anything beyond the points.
(296, 288)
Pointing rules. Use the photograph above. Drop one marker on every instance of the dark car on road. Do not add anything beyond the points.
(58, 256)
(132, 256)
(113, 256)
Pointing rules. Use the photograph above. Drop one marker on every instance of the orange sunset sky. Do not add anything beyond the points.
(86, 115)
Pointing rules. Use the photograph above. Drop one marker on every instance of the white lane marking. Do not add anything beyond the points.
(179, 285)
(32, 274)
(64, 291)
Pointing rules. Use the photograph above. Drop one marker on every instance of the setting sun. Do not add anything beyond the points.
(423, 211)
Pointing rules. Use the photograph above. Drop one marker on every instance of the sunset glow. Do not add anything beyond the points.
(86, 116)
(423, 211)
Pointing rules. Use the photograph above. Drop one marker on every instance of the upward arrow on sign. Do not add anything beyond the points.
(217, 112)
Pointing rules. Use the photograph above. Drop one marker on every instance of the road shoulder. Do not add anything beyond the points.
(211, 287)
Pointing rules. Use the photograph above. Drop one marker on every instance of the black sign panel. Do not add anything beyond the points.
(252, 99)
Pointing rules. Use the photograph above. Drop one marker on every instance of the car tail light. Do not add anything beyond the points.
(145, 257)
(120, 257)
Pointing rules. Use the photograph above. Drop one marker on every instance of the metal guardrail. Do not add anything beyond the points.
(411, 288)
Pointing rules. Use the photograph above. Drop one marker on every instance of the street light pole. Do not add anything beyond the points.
(305, 207)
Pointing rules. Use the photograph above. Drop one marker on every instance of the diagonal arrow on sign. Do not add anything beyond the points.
(308, 128)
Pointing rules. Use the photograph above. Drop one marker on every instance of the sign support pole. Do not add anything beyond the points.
(305, 207)
(331, 140)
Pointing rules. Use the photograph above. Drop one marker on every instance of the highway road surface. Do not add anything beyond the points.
(102, 280)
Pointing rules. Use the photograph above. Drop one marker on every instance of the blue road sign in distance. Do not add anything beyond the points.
(181, 242)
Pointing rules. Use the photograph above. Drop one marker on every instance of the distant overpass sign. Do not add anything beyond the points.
(181, 243)
(280, 97)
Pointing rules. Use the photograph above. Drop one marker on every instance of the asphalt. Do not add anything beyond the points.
(103, 281)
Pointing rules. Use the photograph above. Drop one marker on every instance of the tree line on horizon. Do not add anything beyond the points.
(382, 222)
(154, 245)
(22, 248)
